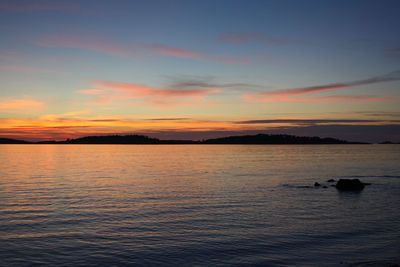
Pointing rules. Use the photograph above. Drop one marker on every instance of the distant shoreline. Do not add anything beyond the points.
(186, 144)
(258, 139)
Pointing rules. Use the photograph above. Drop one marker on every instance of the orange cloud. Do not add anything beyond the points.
(20, 105)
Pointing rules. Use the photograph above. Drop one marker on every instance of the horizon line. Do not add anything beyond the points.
(190, 141)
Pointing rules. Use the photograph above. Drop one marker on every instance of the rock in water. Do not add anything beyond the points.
(331, 181)
(317, 184)
(349, 185)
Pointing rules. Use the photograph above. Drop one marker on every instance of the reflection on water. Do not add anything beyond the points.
(197, 205)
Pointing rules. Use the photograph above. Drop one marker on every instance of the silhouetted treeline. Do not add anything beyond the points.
(113, 139)
(12, 141)
(141, 139)
(275, 139)
(389, 143)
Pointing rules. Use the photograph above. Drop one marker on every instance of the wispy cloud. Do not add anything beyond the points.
(208, 82)
(199, 84)
(339, 98)
(275, 98)
(393, 76)
(136, 90)
(379, 113)
(104, 120)
(251, 37)
(66, 116)
(24, 104)
(120, 49)
(169, 51)
(166, 50)
(302, 94)
(112, 91)
(32, 6)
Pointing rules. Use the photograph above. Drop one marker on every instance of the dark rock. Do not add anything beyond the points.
(349, 185)
(317, 184)
(324, 186)
(331, 181)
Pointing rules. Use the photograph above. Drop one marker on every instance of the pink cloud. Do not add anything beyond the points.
(143, 90)
(169, 51)
(273, 98)
(172, 51)
(111, 91)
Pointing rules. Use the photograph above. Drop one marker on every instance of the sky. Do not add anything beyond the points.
(200, 69)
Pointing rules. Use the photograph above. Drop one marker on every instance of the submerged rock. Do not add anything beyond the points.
(331, 181)
(317, 184)
(324, 186)
(349, 185)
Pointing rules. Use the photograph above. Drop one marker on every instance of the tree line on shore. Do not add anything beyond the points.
(142, 139)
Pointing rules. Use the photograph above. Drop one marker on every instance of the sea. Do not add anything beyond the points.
(198, 205)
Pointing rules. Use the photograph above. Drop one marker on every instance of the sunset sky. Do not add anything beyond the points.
(199, 69)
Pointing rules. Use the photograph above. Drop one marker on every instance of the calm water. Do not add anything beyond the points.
(115, 205)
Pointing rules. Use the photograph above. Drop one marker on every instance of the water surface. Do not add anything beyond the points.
(198, 205)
